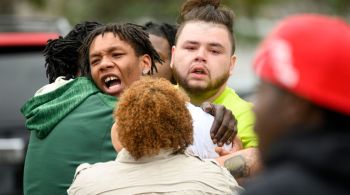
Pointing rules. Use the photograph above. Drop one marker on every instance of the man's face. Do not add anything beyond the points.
(275, 113)
(114, 64)
(162, 47)
(202, 60)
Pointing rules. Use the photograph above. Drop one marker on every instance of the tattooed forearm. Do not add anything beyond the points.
(237, 166)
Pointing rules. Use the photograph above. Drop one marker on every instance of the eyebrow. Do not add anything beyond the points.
(97, 54)
(212, 44)
(216, 45)
(191, 42)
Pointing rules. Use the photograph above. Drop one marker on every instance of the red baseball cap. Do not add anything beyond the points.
(309, 55)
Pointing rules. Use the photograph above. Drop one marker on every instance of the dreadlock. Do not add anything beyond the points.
(61, 54)
(130, 33)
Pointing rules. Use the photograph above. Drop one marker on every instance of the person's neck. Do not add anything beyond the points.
(208, 96)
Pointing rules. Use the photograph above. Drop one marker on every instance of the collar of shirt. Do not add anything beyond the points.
(125, 157)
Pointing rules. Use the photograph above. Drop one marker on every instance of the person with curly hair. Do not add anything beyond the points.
(70, 120)
(154, 126)
(115, 57)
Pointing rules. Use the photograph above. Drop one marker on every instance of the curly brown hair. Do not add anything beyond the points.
(152, 115)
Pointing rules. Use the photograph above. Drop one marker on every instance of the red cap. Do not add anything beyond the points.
(309, 55)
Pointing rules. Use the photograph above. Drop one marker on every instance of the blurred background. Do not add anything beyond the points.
(22, 65)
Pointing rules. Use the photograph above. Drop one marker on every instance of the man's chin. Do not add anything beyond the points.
(196, 88)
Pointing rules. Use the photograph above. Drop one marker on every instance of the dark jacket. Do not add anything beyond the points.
(313, 163)
(69, 126)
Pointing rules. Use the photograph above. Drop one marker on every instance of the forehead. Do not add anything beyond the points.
(108, 40)
(205, 32)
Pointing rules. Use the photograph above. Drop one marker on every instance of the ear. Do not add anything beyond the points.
(145, 64)
(115, 138)
(232, 63)
(173, 48)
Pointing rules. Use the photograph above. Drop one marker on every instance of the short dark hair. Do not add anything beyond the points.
(130, 33)
(164, 30)
(207, 11)
(62, 55)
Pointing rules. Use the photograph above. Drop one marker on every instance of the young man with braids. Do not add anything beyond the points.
(62, 56)
(155, 127)
(71, 124)
(162, 37)
(65, 118)
(202, 60)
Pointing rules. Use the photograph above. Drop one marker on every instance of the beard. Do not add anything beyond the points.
(210, 88)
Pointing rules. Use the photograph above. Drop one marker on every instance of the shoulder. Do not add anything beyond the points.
(214, 175)
(59, 82)
(198, 164)
(231, 100)
(197, 113)
(99, 102)
(88, 175)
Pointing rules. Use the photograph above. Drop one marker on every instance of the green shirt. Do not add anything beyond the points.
(76, 130)
(242, 110)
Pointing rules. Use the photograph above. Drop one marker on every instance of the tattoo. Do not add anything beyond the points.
(237, 166)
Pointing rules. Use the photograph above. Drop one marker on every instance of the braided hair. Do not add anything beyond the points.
(61, 54)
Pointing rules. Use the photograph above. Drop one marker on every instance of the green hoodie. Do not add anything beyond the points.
(69, 126)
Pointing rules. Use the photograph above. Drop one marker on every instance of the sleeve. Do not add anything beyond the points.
(202, 145)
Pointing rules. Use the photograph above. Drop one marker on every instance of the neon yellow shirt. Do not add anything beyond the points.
(242, 110)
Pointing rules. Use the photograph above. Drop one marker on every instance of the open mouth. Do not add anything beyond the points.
(111, 81)
(199, 71)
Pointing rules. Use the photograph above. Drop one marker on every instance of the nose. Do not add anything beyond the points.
(201, 55)
(106, 63)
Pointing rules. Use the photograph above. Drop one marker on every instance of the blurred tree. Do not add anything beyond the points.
(339, 7)
(110, 10)
(164, 10)
(7, 7)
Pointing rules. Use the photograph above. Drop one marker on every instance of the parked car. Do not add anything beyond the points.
(22, 72)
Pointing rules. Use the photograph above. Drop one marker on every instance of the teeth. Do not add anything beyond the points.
(111, 78)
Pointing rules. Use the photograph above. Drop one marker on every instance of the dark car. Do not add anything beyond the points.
(22, 72)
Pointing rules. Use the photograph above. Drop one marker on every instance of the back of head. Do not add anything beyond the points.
(152, 115)
(130, 33)
(308, 55)
(207, 11)
(82, 30)
(164, 30)
(62, 56)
